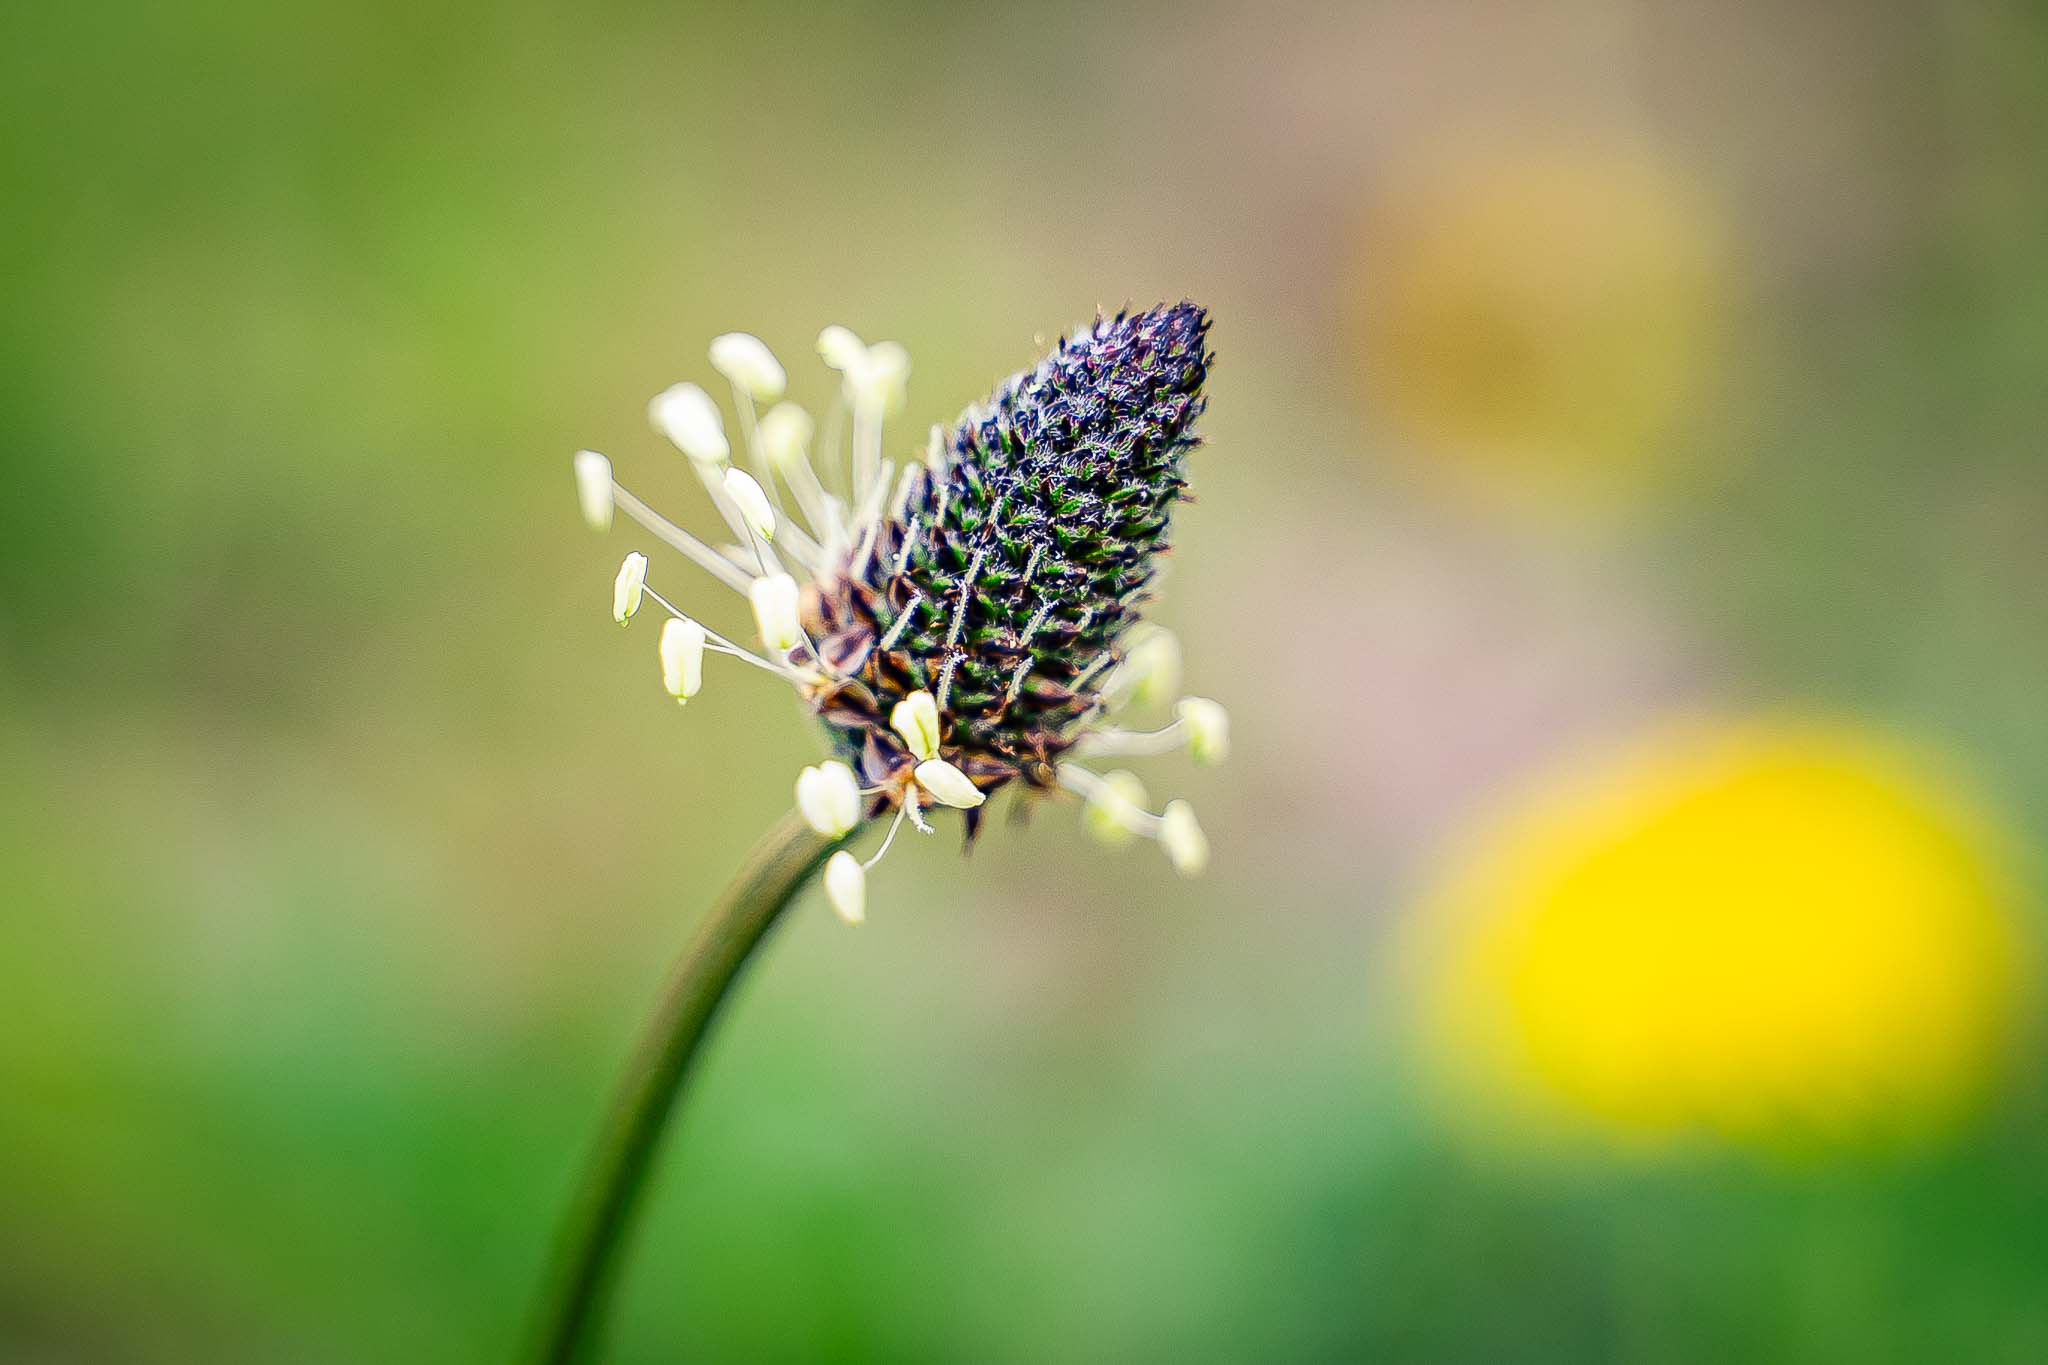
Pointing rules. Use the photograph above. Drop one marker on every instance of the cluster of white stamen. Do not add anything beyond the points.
(835, 506)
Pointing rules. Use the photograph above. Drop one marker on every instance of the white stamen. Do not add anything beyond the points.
(846, 887)
(1150, 671)
(682, 657)
(916, 719)
(840, 348)
(746, 360)
(747, 495)
(1114, 811)
(628, 586)
(829, 798)
(686, 415)
(594, 489)
(1185, 844)
(908, 804)
(676, 538)
(1208, 727)
(949, 784)
(774, 600)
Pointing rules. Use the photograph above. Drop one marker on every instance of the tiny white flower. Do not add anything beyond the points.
(1208, 727)
(746, 360)
(1150, 671)
(774, 600)
(786, 431)
(682, 657)
(1185, 844)
(916, 718)
(755, 509)
(840, 348)
(628, 586)
(949, 784)
(829, 798)
(686, 415)
(846, 887)
(1115, 809)
(594, 489)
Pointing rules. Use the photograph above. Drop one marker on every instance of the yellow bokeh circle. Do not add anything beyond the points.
(1780, 931)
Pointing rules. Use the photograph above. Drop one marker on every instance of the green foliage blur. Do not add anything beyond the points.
(344, 839)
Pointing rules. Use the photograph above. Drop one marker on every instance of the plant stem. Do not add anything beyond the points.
(588, 1250)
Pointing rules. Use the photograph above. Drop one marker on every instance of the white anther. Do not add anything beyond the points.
(846, 887)
(746, 360)
(948, 783)
(1208, 729)
(774, 599)
(682, 657)
(828, 798)
(878, 381)
(1150, 671)
(786, 432)
(686, 415)
(594, 489)
(755, 509)
(1185, 844)
(1114, 812)
(916, 718)
(628, 586)
(840, 348)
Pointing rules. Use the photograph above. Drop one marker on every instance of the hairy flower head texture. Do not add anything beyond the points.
(967, 619)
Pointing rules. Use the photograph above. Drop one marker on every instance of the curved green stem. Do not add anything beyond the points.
(587, 1253)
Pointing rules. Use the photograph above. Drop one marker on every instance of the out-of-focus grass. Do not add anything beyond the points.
(344, 838)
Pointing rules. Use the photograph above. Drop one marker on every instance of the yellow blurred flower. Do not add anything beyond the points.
(1775, 931)
(1546, 320)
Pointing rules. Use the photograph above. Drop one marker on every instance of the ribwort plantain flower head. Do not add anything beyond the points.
(967, 620)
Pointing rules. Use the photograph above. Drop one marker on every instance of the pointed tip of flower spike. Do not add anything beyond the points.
(846, 887)
(746, 360)
(628, 587)
(594, 489)
(682, 658)
(786, 432)
(828, 798)
(1114, 811)
(775, 600)
(949, 784)
(916, 719)
(747, 495)
(686, 415)
(1187, 848)
(1208, 729)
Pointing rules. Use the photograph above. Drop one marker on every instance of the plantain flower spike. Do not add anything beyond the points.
(963, 618)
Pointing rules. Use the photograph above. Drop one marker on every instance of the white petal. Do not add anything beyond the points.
(828, 798)
(628, 586)
(682, 657)
(686, 415)
(916, 719)
(774, 599)
(846, 887)
(594, 489)
(1208, 727)
(949, 784)
(1185, 844)
(754, 506)
(746, 360)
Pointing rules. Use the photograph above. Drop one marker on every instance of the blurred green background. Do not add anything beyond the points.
(1580, 365)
